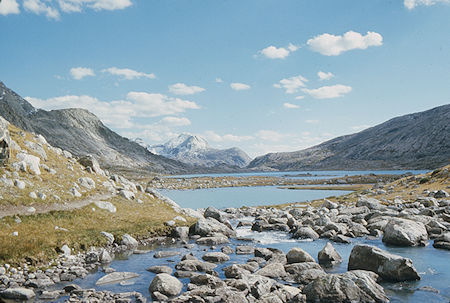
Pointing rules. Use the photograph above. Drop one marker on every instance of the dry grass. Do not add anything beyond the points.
(50, 184)
(39, 239)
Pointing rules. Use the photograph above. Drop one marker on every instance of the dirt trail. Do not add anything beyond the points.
(23, 210)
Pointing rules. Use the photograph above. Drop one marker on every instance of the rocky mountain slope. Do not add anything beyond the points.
(196, 151)
(415, 141)
(81, 133)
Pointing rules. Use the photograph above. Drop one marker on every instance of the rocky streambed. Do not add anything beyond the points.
(364, 252)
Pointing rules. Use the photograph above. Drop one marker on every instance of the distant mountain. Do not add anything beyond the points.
(414, 141)
(195, 150)
(81, 133)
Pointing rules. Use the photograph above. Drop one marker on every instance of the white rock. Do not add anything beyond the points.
(74, 192)
(32, 162)
(32, 195)
(129, 195)
(87, 182)
(42, 196)
(66, 250)
(116, 277)
(15, 234)
(19, 184)
(106, 205)
(31, 209)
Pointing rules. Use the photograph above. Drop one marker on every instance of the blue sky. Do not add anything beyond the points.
(238, 73)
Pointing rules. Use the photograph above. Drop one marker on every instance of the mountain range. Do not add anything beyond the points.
(415, 141)
(81, 132)
(196, 151)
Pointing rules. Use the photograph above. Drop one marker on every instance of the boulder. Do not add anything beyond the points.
(32, 163)
(328, 256)
(245, 250)
(348, 287)
(212, 240)
(388, 266)
(90, 161)
(195, 265)
(181, 232)
(298, 255)
(215, 257)
(165, 254)
(212, 212)
(210, 227)
(306, 232)
(404, 232)
(329, 204)
(17, 293)
(371, 203)
(106, 206)
(160, 269)
(129, 195)
(443, 241)
(166, 285)
(5, 141)
(86, 182)
(116, 277)
(129, 241)
(272, 270)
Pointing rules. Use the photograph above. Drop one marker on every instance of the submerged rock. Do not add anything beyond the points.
(389, 266)
(116, 277)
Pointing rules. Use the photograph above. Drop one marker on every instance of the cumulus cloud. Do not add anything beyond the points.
(120, 113)
(79, 73)
(239, 86)
(290, 105)
(325, 76)
(215, 137)
(331, 45)
(127, 73)
(218, 80)
(273, 52)
(411, 4)
(9, 7)
(38, 7)
(328, 92)
(291, 85)
(175, 121)
(183, 89)
(299, 97)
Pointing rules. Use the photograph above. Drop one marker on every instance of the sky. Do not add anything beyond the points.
(262, 75)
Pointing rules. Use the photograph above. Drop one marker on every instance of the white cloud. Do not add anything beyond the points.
(292, 84)
(183, 89)
(312, 121)
(127, 73)
(270, 135)
(328, 92)
(290, 105)
(215, 137)
(325, 76)
(218, 80)
(38, 7)
(411, 4)
(79, 73)
(273, 52)
(9, 7)
(331, 45)
(299, 97)
(72, 6)
(120, 113)
(175, 121)
(239, 86)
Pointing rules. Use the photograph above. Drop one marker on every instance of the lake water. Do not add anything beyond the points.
(245, 196)
(432, 264)
(323, 174)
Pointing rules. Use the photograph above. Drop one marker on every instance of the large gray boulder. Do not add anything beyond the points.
(349, 287)
(306, 232)
(116, 277)
(328, 256)
(404, 232)
(210, 227)
(18, 293)
(371, 203)
(5, 141)
(388, 266)
(443, 241)
(298, 255)
(166, 285)
(91, 162)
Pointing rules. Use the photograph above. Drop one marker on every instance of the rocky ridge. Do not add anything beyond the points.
(414, 141)
(81, 133)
